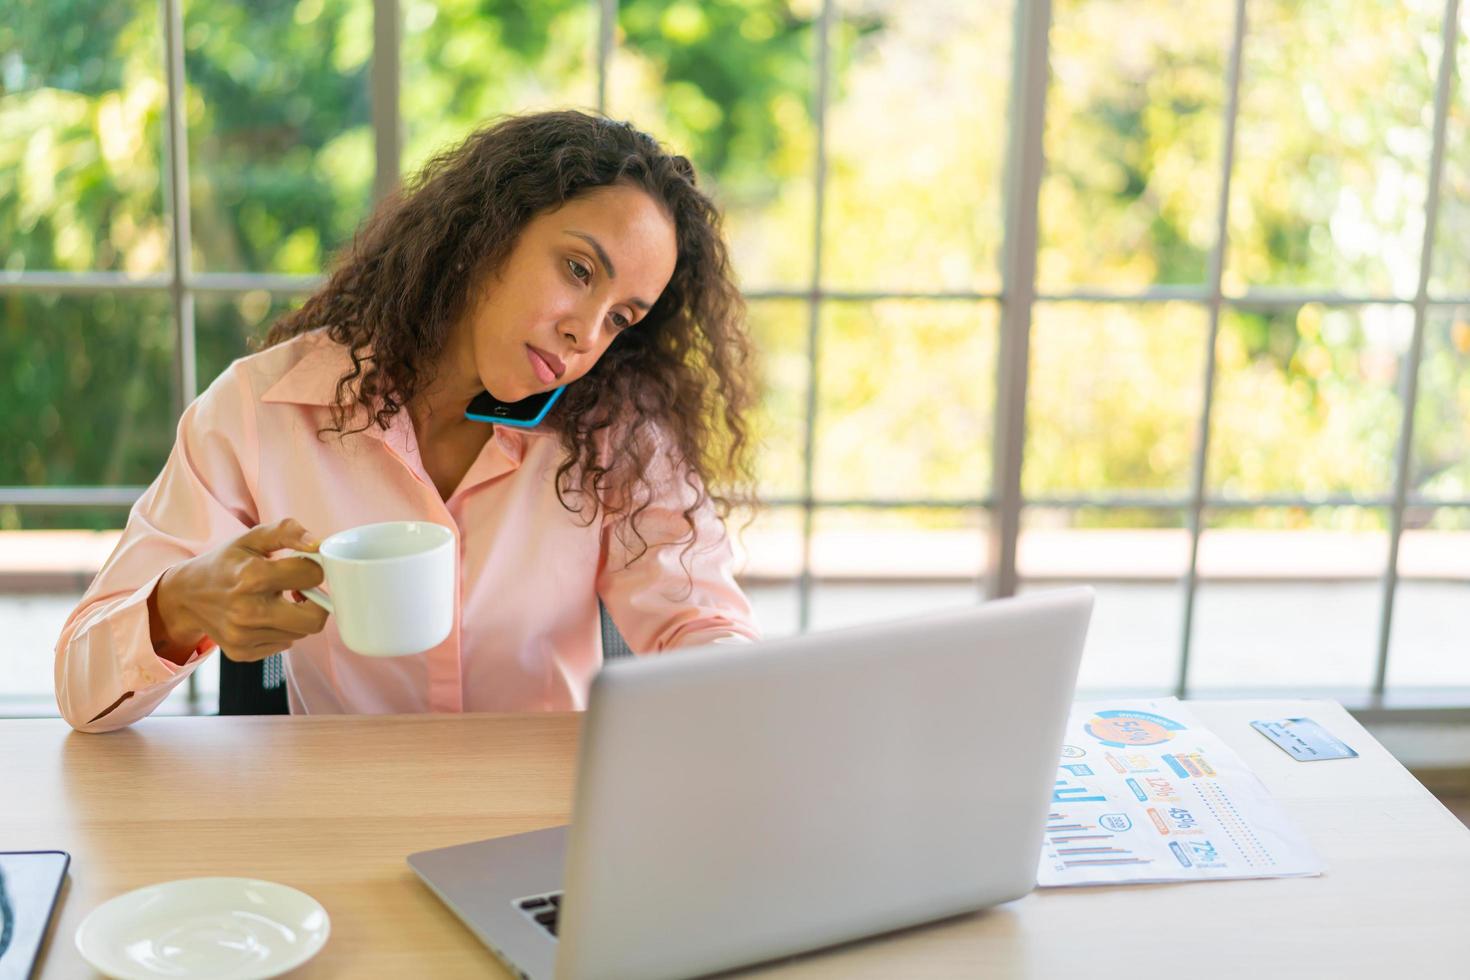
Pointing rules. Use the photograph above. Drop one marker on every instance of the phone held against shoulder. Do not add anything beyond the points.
(525, 414)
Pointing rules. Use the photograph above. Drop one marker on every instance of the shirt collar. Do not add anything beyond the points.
(312, 380)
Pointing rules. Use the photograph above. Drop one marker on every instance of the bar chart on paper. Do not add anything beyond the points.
(1085, 838)
(1143, 792)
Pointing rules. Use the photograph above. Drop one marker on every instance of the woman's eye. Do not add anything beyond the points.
(580, 271)
(620, 321)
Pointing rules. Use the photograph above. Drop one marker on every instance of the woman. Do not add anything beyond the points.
(548, 250)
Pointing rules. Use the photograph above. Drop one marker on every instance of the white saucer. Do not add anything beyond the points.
(220, 928)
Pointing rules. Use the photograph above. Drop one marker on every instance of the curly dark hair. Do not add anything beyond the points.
(394, 294)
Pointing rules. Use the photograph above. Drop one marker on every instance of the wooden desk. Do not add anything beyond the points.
(332, 805)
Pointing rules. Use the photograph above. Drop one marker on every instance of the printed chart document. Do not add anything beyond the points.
(1144, 792)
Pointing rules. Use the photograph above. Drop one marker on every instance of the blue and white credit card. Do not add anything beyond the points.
(1304, 740)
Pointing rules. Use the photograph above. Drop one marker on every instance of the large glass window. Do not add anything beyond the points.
(1236, 318)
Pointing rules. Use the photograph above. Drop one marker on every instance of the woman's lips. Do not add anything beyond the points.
(548, 367)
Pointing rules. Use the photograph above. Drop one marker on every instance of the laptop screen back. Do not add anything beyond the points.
(738, 804)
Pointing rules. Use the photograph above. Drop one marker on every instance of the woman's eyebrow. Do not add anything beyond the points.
(607, 263)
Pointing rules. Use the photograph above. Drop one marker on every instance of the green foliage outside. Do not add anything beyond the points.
(1327, 193)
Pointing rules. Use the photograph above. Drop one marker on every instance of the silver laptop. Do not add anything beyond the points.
(738, 804)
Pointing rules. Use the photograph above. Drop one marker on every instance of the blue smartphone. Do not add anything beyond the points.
(524, 414)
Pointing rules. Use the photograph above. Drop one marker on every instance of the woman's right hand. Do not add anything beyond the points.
(234, 596)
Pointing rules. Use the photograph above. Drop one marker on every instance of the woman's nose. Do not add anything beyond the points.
(581, 330)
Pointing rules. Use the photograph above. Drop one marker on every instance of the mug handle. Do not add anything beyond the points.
(318, 596)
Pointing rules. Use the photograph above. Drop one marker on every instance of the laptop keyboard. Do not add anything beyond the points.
(542, 910)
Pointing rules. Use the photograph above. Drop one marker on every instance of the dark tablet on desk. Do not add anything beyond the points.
(29, 884)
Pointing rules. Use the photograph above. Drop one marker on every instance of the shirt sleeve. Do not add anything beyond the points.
(672, 595)
(107, 675)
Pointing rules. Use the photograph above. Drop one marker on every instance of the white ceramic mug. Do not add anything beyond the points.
(390, 586)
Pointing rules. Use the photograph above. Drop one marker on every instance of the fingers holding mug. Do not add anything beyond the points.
(302, 573)
(293, 571)
(300, 617)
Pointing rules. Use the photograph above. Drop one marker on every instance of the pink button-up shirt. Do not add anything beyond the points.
(526, 634)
